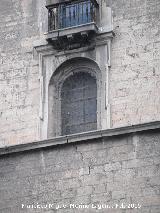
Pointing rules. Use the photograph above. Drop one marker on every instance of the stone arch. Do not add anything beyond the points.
(65, 70)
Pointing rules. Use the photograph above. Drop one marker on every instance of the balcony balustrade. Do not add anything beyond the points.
(72, 22)
(70, 15)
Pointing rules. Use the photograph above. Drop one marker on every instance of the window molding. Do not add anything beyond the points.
(49, 62)
(62, 73)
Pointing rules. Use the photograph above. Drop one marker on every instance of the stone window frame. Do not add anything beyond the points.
(50, 61)
(67, 69)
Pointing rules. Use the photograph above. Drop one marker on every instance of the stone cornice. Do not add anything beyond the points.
(42, 47)
(81, 137)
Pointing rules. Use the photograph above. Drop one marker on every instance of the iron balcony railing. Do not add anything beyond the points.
(71, 14)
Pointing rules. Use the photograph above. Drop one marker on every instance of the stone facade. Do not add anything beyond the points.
(20, 25)
(133, 76)
(115, 171)
(115, 166)
(134, 85)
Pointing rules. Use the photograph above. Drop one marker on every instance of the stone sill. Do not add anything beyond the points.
(84, 28)
(81, 137)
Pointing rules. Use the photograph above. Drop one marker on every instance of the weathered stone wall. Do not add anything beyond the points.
(135, 71)
(134, 74)
(20, 26)
(115, 170)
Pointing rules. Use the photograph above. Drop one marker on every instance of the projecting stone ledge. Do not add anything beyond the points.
(72, 37)
(70, 31)
(81, 137)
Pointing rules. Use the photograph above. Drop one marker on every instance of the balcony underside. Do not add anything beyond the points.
(72, 37)
(86, 28)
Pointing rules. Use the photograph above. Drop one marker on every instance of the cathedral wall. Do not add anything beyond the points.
(116, 171)
(133, 77)
(20, 26)
(135, 71)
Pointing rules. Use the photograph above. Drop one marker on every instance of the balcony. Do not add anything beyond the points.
(71, 24)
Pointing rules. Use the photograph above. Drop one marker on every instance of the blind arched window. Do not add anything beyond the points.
(79, 104)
